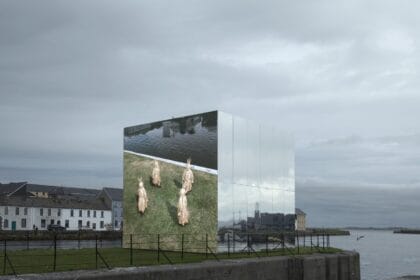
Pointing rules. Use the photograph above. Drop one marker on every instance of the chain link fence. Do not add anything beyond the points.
(57, 254)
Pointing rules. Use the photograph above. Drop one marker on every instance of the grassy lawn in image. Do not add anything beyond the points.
(160, 216)
(42, 260)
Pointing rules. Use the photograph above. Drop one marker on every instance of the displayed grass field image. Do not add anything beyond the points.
(161, 216)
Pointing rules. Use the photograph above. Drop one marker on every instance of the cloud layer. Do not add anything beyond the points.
(342, 76)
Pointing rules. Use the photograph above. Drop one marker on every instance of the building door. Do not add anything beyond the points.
(14, 225)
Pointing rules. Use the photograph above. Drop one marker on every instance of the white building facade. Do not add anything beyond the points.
(28, 207)
(29, 218)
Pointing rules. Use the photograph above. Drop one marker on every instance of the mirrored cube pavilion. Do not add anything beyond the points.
(240, 177)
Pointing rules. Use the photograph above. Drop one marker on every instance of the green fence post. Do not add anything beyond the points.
(266, 244)
(207, 245)
(158, 248)
(182, 247)
(247, 244)
(55, 251)
(228, 241)
(233, 241)
(311, 241)
(78, 239)
(4, 257)
(96, 251)
(282, 242)
(131, 249)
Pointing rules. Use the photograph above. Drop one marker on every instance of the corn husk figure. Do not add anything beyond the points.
(183, 214)
(187, 178)
(142, 197)
(156, 174)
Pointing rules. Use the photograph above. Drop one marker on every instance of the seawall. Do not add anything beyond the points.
(339, 266)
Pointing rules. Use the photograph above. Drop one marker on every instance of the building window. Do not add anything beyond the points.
(23, 223)
(88, 213)
(88, 224)
(66, 223)
(59, 222)
(116, 223)
(17, 211)
(80, 224)
(6, 223)
(102, 224)
(6, 210)
(49, 211)
(52, 222)
(59, 212)
(25, 211)
(94, 213)
(43, 223)
(94, 225)
(41, 211)
(80, 213)
(102, 214)
(71, 213)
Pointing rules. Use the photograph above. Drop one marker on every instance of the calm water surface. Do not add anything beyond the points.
(383, 254)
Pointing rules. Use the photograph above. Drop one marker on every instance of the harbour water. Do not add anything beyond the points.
(383, 254)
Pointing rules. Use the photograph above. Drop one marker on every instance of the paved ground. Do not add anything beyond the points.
(408, 277)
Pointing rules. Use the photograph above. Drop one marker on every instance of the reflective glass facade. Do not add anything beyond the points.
(242, 179)
(256, 182)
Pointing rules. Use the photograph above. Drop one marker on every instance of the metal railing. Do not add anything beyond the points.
(34, 256)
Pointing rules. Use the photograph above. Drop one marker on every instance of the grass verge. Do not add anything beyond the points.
(42, 260)
(161, 214)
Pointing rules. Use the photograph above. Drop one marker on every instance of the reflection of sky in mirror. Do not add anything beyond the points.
(256, 165)
(225, 201)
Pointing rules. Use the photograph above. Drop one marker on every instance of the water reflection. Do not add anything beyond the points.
(177, 139)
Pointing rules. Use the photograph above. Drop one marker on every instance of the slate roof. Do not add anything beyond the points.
(58, 190)
(114, 193)
(9, 188)
(58, 197)
(299, 212)
(54, 202)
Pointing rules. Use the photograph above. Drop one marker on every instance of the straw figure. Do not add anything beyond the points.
(183, 214)
(156, 174)
(142, 197)
(187, 177)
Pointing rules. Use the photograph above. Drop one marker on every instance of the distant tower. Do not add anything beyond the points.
(257, 210)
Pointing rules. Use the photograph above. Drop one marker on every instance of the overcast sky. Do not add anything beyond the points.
(342, 76)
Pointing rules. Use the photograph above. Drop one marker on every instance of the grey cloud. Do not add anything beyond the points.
(384, 160)
(329, 206)
(341, 76)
